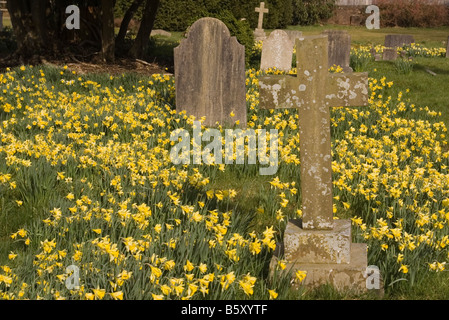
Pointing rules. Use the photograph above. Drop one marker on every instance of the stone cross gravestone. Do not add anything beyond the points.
(339, 49)
(259, 33)
(210, 74)
(277, 51)
(318, 244)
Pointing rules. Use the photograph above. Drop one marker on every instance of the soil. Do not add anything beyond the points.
(120, 66)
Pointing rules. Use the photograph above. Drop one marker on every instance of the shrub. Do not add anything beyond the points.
(404, 65)
(7, 40)
(279, 16)
(412, 13)
(308, 12)
(240, 29)
(176, 15)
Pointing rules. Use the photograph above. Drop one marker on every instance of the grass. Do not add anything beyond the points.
(250, 193)
(425, 89)
(429, 37)
(6, 21)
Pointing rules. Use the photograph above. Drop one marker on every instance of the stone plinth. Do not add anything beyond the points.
(259, 34)
(310, 246)
(342, 276)
(327, 256)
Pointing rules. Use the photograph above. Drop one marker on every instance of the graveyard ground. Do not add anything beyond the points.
(76, 189)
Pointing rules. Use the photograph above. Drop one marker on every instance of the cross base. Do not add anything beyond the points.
(328, 257)
(318, 246)
(259, 34)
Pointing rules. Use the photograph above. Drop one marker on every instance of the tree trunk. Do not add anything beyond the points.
(125, 22)
(143, 36)
(28, 18)
(107, 30)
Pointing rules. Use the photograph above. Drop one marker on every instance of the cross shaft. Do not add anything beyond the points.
(261, 12)
(312, 92)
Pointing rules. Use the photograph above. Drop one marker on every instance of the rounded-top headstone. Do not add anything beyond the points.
(277, 51)
(210, 74)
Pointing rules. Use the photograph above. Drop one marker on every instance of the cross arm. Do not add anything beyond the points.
(347, 90)
(342, 89)
(278, 92)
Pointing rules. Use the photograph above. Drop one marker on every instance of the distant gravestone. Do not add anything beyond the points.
(1, 20)
(390, 54)
(377, 56)
(294, 34)
(259, 33)
(339, 48)
(210, 74)
(356, 20)
(277, 51)
(159, 32)
(398, 40)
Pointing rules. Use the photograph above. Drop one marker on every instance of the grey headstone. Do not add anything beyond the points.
(390, 54)
(356, 20)
(294, 34)
(277, 51)
(398, 40)
(377, 56)
(210, 74)
(339, 48)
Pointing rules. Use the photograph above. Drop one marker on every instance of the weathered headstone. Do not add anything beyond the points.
(259, 33)
(318, 244)
(159, 32)
(210, 74)
(356, 20)
(377, 56)
(294, 34)
(398, 40)
(277, 51)
(389, 54)
(339, 49)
